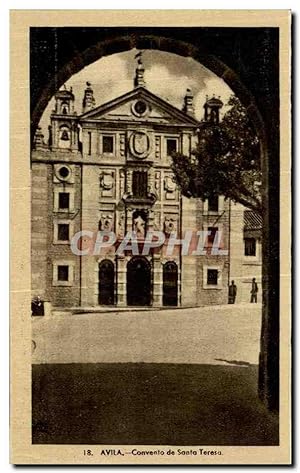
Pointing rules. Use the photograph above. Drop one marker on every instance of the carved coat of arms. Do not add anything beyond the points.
(139, 144)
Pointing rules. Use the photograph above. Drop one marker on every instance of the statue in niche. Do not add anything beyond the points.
(121, 225)
(139, 218)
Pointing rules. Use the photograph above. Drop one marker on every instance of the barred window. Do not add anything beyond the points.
(171, 146)
(108, 144)
(212, 277)
(63, 273)
(63, 231)
(139, 183)
(250, 246)
(211, 236)
(213, 203)
(64, 200)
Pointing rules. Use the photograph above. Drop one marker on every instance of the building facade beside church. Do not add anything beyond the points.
(109, 169)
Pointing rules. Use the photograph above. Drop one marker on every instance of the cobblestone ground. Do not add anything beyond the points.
(174, 377)
(213, 335)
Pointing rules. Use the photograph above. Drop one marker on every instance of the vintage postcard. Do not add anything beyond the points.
(150, 228)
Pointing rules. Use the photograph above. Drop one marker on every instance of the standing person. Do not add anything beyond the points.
(254, 291)
(232, 290)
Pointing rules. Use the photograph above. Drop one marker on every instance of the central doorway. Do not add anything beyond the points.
(138, 282)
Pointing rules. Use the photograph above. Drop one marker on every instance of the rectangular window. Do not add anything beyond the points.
(211, 236)
(250, 246)
(64, 200)
(213, 203)
(63, 232)
(140, 183)
(171, 146)
(62, 273)
(108, 144)
(90, 143)
(212, 277)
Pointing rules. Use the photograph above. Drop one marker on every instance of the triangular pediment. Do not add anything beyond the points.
(139, 105)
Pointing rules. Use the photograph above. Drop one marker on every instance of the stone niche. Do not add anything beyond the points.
(107, 183)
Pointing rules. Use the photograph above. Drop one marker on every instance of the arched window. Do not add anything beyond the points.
(64, 137)
(64, 108)
(106, 283)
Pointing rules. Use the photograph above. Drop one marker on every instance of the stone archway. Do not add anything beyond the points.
(106, 283)
(139, 282)
(251, 72)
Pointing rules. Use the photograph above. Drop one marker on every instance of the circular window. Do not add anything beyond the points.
(140, 107)
(64, 172)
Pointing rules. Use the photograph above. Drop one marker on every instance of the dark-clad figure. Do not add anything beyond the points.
(232, 290)
(37, 306)
(254, 291)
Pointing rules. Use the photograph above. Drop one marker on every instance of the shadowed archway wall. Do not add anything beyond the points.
(247, 60)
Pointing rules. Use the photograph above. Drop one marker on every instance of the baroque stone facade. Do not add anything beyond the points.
(109, 169)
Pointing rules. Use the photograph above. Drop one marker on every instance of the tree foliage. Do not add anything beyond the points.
(226, 161)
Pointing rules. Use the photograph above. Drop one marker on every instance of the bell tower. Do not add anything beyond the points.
(88, 100)
(212, 109)
(188, 106)
(63, 132)
(64, 102)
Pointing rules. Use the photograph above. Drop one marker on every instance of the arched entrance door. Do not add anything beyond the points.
(170, 284)
(138, 282)
(106, 283)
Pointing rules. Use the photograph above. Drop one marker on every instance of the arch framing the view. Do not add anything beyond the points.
(263, 109)
(144, 42)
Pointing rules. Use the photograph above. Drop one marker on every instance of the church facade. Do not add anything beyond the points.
(109, 170)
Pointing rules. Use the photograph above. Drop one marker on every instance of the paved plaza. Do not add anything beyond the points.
(206, 335)
(167, 377)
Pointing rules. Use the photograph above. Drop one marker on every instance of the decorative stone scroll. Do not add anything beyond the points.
(170, 188)
(107, 182)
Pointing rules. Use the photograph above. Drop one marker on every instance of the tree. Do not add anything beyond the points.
(226, 161)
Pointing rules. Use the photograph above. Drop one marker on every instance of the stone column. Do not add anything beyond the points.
(129, 181)
(179, 286)
(74, 137)
(157, 281)
(151, 180)
(121, 281)
(150, 223)
(129, 220)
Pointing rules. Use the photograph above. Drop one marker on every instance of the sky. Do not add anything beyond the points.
(166, 75)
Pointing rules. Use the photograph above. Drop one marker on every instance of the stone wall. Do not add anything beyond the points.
(243, 268)
(45, 252)
(39, 228)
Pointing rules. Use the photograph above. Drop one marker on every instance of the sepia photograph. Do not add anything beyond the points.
(154, 309)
